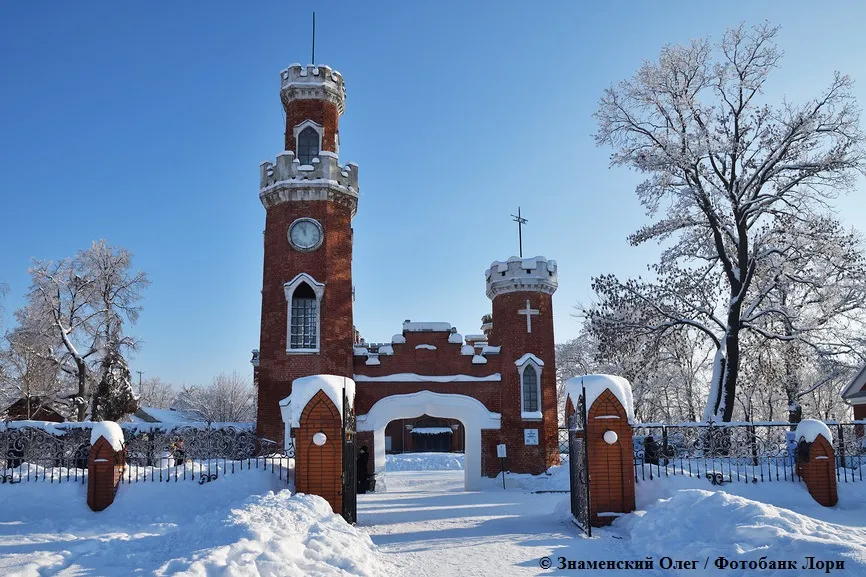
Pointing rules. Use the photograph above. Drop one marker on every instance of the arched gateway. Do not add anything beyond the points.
(470, 412)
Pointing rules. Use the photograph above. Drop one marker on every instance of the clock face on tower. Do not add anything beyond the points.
(305, 234)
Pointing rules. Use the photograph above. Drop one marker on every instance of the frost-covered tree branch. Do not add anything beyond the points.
(733, 173)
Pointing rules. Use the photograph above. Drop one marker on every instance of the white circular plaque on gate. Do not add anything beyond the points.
(610, 437)
(321, 438)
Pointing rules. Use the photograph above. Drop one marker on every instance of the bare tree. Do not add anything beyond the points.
(25, 374)
(229, 398)
(156, 393)
(726, 173)
(78, 306)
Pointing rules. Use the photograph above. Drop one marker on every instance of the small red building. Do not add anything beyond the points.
(855, 394)
(32, 409)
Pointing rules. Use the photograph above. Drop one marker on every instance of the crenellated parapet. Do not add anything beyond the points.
(324, 179)
(522, 274)
(312, 82)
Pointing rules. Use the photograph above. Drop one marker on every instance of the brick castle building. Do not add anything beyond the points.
(429, 388)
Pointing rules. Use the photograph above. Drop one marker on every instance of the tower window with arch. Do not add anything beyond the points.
(305, 318)
(308, 145)
(304, 296)
(529, 369)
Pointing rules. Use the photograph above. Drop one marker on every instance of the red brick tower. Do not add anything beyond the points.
(522, 293)
(309, 201)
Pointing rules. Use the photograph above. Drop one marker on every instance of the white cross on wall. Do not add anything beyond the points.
(528, 312)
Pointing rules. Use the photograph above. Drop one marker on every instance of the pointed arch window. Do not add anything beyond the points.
(304, 296)
(308, 145)
(529, 369)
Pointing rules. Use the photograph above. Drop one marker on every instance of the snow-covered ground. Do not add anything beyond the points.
(236, 525)
(428, 525)
(424, 462)
(243, 524)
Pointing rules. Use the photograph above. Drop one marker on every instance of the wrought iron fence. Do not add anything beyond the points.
(58, 453)
(746, 452)
(562, 438)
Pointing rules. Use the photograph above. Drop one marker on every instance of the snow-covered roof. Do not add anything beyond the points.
(431, 430)
(359, 351)
(153, 415)
(855, 385)
(809, 429)
(476, 337)
(111, 431)
(479, 360)
(455, 338)
(595, 385)
(416, 378)
(305, 388)
(490, 350)
(386, 350)
(418, 327)
(467, 350)
(398, 340)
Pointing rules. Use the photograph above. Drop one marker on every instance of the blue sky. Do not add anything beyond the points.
(145, 123)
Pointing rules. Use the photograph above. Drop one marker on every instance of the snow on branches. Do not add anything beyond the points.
(739, 190)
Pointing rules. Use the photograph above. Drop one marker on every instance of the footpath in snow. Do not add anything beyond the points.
(427, 525)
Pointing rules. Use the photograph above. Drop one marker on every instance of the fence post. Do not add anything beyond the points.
(665, 447)
(105, 465)
(815, 460)
(841, 445)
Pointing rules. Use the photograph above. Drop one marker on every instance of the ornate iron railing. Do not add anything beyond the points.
(197, 452)
(745, 452)
(562, 438)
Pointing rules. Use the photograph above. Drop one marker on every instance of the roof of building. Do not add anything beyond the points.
(154, 415)
(855, 389)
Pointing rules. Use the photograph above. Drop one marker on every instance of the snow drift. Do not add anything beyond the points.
(236, 525)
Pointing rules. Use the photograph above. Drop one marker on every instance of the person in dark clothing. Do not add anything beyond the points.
(361, 471)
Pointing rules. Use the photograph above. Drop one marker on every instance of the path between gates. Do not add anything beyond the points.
(426, 524)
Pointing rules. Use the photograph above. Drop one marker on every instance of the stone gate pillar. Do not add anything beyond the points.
(315, 417)
(609, 445)
(816, 460)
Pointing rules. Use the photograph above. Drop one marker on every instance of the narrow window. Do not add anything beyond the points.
(305, 313)
(530, 390)
(308, 145)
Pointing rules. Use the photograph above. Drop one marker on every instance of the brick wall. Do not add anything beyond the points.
(509, 332)
(319, 469)
(859, 412)
(331, 264)
(105, 466)
(611, 467)
(321, 112)
(819, 471)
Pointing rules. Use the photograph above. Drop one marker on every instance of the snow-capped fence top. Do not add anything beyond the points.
(305, 388)
(595, 385)
(110, 431)
(809, 429)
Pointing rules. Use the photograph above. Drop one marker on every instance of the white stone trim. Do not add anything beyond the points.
(468, 410)
(530, 360)
(289, 290)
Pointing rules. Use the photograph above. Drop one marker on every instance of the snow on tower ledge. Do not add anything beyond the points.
(595, 385)
(527, 274)
(325, 179)
(809, 429)
(111, 431)
(305, 388)
(312, 82)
